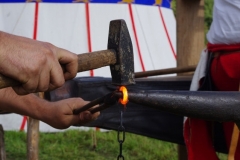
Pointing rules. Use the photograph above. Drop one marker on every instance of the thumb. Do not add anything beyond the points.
(69, 61)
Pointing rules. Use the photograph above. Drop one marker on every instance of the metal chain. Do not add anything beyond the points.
(121, 136)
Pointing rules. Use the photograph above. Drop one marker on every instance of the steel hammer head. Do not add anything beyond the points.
(119, 39)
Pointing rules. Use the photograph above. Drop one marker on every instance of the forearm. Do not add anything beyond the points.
(29, 105)
(57, 114)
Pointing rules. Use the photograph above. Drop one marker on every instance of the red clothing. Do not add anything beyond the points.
(225, 73)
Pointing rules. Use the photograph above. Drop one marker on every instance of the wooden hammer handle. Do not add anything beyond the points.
(93, 60)
(86, 61)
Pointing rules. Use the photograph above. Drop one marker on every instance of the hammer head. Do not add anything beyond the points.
(119, 39)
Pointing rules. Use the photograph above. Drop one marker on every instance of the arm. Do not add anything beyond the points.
(38, 66)
(57, 114)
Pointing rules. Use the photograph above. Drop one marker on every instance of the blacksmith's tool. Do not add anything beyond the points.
(105, 101)
(119, 56)
(208, 105)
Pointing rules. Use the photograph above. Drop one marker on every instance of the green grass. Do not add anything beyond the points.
(78, 145)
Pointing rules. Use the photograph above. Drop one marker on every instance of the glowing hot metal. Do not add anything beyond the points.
(124, 99)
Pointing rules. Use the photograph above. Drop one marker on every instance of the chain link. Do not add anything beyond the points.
(121, 136)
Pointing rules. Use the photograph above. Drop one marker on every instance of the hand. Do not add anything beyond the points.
(58, 114)
(61, 113)
(38, 66)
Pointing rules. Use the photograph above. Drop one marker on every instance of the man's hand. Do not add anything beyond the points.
(38, 66)
(57, 114)
(61, 113)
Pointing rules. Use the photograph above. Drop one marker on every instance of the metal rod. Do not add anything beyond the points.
(165, 71)
(101, 107)
(89, 105)
(103, 102)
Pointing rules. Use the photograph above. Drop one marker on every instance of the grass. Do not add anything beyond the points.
(78, 145)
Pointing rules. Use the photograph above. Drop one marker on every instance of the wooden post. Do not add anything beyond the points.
(190, 31)
(33, 136)
(2, 146)
(190, 39)
(32, 139)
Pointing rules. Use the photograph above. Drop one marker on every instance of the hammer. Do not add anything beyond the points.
(119, 56)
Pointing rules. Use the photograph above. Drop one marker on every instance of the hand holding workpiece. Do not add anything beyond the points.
(38, 66)
(57, 114)
(60, 114)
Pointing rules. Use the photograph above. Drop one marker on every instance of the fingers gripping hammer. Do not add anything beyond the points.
(119, 56)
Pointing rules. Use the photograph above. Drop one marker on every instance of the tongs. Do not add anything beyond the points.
(103, 102)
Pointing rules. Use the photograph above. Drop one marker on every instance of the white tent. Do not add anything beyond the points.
(81, 26)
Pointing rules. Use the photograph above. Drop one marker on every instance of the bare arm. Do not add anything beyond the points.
(57, 114)
(38, 66)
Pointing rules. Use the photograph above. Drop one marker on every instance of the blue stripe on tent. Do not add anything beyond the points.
(165, 3)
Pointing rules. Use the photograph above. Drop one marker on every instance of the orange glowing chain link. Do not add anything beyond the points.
(123, 100)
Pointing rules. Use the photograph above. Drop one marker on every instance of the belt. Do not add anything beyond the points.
(217, 54)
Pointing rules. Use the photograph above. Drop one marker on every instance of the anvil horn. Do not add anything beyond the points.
(208, 105)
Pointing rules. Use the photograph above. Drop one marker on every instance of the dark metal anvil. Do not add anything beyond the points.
(163, 122)
(208, 105)
(215, 106)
